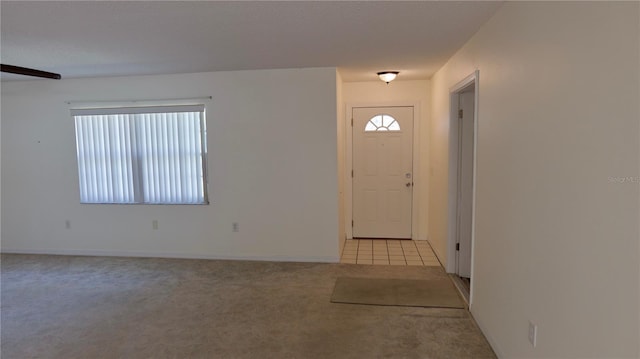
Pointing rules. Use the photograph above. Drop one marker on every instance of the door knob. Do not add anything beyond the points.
(408, 184)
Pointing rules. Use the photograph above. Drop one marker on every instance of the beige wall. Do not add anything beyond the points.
(400, 92)
(556, 230)
(272, 166)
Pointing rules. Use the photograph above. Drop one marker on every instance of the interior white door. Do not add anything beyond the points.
(382, 172)
(465, 181)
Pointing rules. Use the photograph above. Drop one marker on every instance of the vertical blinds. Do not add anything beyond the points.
(141, 155)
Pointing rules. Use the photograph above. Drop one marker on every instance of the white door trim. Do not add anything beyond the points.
(348, 195)
(453, 172)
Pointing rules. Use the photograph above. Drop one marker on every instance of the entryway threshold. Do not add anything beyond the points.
(462, 288)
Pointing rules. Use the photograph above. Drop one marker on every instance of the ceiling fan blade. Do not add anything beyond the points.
(29, 72)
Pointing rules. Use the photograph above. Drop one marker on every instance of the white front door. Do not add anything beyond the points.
(382, 172)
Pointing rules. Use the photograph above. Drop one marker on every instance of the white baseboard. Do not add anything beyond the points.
(486, 334)
(101, 253)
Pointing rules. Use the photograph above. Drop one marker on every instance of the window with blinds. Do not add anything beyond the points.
(150, 155)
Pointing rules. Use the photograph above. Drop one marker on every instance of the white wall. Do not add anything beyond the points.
(556, 238)
(401, 92)
(272, 168)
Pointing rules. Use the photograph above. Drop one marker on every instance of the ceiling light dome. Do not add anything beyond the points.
(388, 76)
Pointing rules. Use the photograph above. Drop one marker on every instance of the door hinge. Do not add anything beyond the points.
(351, 223)
(457, 246)
(352, 122)
(351, 173)
(460, 112)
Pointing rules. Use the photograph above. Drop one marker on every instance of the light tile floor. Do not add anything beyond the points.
(388, 252)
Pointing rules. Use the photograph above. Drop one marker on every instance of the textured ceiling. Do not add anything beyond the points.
(115, 38)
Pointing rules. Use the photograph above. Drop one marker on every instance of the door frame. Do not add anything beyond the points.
(470, 80)
(348, 203)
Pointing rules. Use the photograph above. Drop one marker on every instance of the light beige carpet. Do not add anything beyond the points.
(438, 293)
(67, 307)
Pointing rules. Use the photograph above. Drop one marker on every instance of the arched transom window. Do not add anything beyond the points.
(382, 123)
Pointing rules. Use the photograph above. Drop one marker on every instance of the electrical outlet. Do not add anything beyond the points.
(154, 224)
(67, 224)
(533, 334)
(235, 227)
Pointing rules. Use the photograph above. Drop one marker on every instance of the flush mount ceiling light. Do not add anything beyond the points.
(387, 76)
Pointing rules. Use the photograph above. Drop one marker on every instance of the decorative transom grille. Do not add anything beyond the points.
(382, 123)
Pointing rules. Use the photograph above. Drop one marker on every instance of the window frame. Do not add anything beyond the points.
(386, 129)
(139, 184)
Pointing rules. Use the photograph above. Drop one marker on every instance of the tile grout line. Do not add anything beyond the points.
(419, 255)
(372, 254)
(414, 246)
(386, 242)
(403, 254)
